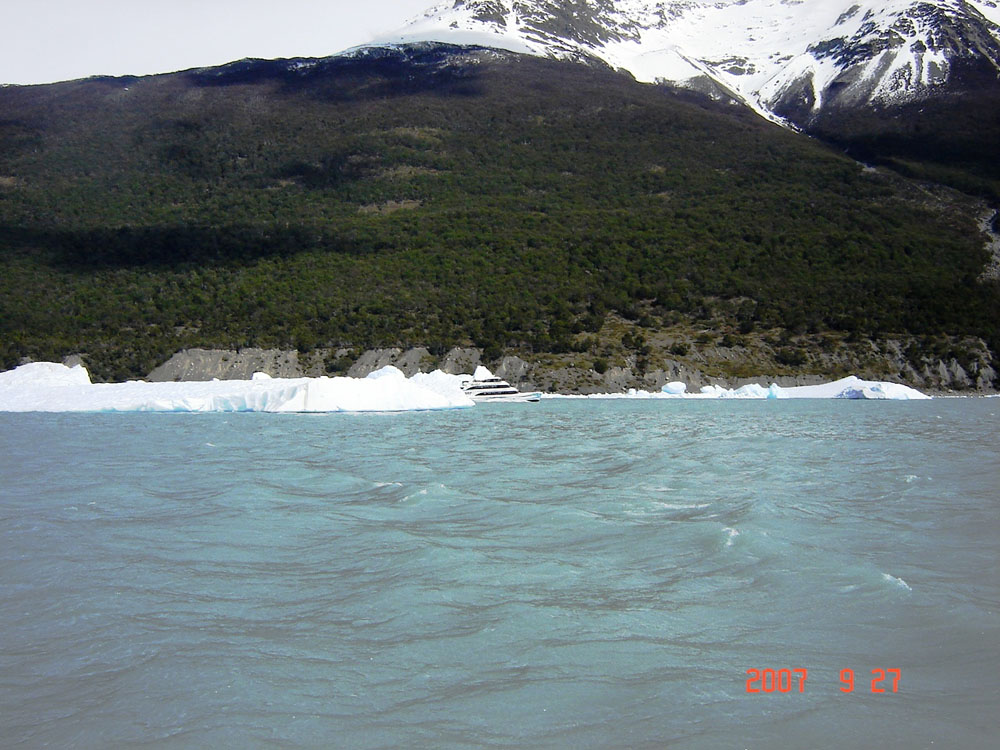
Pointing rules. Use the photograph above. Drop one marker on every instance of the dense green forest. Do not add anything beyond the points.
(436, 196)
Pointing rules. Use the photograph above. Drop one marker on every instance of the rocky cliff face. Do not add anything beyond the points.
(206, 364)
(963, 369)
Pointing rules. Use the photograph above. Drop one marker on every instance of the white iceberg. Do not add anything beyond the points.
(50, 387)
(849, 387)
(441, 382)
(482, 373)
(44, 374)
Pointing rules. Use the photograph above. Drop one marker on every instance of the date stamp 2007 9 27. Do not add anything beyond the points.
(784, 680)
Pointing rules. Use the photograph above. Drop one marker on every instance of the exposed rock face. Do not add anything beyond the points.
(970, 371)
(372, 360)
(73, 360)
(618, 378)
(416, 360)
(513, 369)
(460, 360)
(929, 371)
(989, 224)
(206, 364)
(410, 361)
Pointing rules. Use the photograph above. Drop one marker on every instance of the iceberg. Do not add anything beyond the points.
(676, 388)
(51, 387)
(851, 387)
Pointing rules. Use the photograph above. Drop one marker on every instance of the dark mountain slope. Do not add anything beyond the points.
(436, 195)
(951, 137)
(912, 84)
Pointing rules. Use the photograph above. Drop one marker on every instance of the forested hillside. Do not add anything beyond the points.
(438, 196)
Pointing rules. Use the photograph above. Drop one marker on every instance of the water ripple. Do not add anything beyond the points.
(572, 575)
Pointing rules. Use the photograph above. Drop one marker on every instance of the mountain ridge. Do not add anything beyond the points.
(784, 58)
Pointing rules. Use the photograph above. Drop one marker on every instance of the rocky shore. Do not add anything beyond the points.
(578, 374)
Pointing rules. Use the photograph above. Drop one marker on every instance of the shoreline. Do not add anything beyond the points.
(555, 373)
(55, 387)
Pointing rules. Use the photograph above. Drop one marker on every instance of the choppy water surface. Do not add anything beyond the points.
(557, 575)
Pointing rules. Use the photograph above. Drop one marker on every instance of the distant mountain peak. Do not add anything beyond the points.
(787, 57)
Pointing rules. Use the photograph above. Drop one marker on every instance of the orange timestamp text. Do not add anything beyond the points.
(883, 680)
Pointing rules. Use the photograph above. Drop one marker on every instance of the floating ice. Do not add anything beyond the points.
(45, 386)
(43, 373)
(896, 581)
(849, 387)
(482, 373)
(440, 382)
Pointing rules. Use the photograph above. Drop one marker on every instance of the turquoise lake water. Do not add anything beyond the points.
(568, 574)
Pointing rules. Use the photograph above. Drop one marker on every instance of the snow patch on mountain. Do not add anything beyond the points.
(988, 8)
(789, 56)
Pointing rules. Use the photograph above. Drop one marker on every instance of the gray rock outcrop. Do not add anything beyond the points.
(461, 360)
(206, 364)
(410, 361)
(73, 360)
(513, 369)
(372, 360)
(971, 370)
(416, 360)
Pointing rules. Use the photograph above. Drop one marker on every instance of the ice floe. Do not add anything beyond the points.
(896, 581)
(45, 386)
(51, 387)
(850, 387)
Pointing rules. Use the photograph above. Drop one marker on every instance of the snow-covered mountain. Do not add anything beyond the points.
(793, 58)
